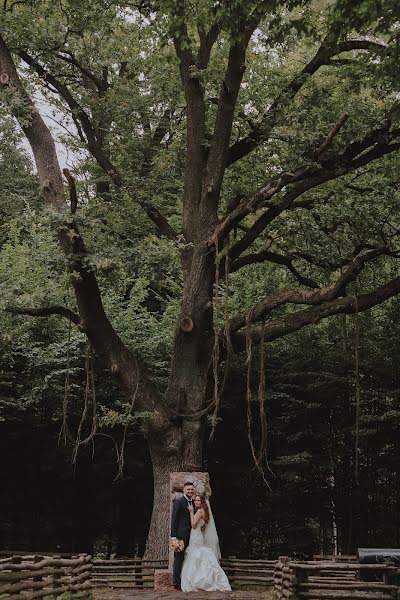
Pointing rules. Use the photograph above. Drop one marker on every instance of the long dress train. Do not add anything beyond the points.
(201, 569)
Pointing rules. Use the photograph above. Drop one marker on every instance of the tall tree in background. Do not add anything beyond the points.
(272, 165)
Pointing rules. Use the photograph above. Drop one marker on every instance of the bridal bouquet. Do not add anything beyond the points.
(177, 545)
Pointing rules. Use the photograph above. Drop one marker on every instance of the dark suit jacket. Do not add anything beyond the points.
(180, 522)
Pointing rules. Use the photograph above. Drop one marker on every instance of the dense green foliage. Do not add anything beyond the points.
(51, 503)
(319, 479)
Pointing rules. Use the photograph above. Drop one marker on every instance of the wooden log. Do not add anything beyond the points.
(85, 567)
(361, 585)
(13, 575)
(18, 576)
(122, 576)
(82, 577)
(127, 575)
(27, 586)
(129, 561)
(46, 562)
(120, 569)
(333, 594)
(237, 561)
(259, 567)
(333, 574)
(278, 577)
(32, 554)
(72, 587)
(131, 580)
(249, 571)
(336, 557)
(250, 578)
(41, 576)
(35, 583)
(340, 573)
(331, 581)
(293, 581)
(313, 566)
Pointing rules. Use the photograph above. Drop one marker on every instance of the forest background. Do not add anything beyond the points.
(330, 390)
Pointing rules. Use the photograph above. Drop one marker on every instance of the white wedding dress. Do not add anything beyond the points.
(201, 570)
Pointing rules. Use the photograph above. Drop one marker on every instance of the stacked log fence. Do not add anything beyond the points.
(139, 574)
(32, 576)
(284, 579)
(319, 580)
(49, 576)
(132, 573)
(243, 572)
(346, 558)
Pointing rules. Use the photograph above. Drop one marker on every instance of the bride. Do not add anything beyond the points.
(201, 569)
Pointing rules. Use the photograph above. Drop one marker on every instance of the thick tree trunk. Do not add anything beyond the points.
(178, 445)
(171, 451)
(157, 541)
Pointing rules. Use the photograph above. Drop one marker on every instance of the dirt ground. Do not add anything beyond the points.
(106, 594)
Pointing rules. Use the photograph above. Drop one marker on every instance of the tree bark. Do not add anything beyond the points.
(157, 541)
(172, 450)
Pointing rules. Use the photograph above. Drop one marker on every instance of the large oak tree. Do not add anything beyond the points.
(247, 89)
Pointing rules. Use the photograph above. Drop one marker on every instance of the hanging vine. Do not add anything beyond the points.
(63, 435)
(263, 451)
(249, 415)
(215, 352)
(89, 398)
(227, 330)
(219, 389)
(357, 393)
(121, 452)
(260, 455)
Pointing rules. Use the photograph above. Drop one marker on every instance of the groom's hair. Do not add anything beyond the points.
(188, 483)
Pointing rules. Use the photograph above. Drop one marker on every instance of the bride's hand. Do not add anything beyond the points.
(190, 508)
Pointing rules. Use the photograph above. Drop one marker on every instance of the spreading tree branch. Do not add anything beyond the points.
(217, 156)
(207, 41)
(261, 196)
(93, 143)
(332, 134)
(36, 132)
(73, 196)
(76, 109)
(260, 133)
(259, 311)
(46, 311)
(195, 123)
(359, 153)
(69, 57)
(348, 305)
(273, 257)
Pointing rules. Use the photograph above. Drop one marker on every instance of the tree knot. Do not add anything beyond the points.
(187, 324)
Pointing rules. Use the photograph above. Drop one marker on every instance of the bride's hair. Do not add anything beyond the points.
(204, 506)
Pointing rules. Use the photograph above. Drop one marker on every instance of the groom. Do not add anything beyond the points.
(181, 527)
